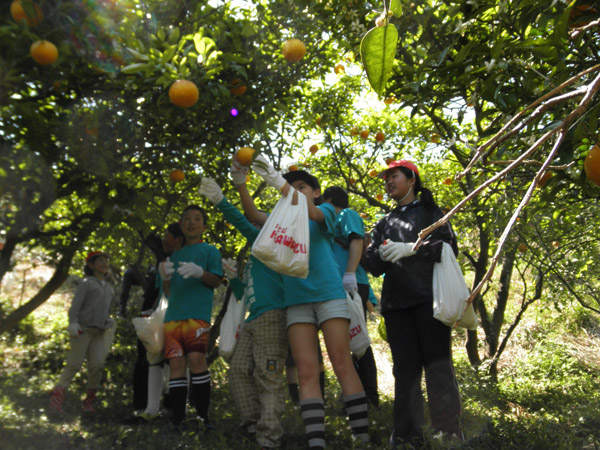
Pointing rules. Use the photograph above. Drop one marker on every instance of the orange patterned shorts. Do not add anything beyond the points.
(185, 336)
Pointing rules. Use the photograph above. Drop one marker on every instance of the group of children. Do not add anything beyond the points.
(286, 312)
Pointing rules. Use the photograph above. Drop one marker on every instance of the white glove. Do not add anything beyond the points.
(166, 269)
(349, 281)
(229, 268)
(238, 172)
(392, 251)
(211, 190)
(262, 167)
(189, 269)
(74, 329)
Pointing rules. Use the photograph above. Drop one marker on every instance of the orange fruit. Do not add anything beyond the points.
(555, 244)
(18, 13)
(313, 149)
(293, 50)
(339, 68)
(306, 164)
(364, 215)
(244, 156)
(388, 161)
(183, 93)
(448, 181)
(379, 197)
(247, 178)
(522, 247)
(545, 178)
(354, 131)
(352, 181)
(576, 14)
(318, 121)
(292, 168)
(176, 175)
(380, 136)
(364, 134)
(389, 100)
(237, 87)
(373, 173)
(43, 52)
(435, 138)
(591, 165)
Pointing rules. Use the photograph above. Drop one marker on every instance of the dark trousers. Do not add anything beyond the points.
(365, 366)
(418, 341)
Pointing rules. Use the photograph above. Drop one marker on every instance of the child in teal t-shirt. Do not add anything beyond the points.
(189, 280)
(256, 366)
(317, 302)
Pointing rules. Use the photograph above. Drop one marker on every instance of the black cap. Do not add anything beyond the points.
(303, 175)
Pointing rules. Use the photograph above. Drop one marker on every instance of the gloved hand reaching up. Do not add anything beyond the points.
(238, 172)
(262, 167)
(393, 251)
(211, 190)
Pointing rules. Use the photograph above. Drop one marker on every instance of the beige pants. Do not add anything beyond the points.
(90, 345)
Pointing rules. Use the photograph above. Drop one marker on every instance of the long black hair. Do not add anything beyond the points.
(425, 195)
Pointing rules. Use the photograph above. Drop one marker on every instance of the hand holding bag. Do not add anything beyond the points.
(231, 327)
(359, 337)
(284, 240)
(450, 293)
(150, 331)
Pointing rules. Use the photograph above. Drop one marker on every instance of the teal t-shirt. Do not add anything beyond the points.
(348, 222)
(263, 290)
(323, 281)
(190, 298)
(372, 297)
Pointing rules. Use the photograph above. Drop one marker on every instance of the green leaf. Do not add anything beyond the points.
(396, 7)
(377, 50)
(133, 68)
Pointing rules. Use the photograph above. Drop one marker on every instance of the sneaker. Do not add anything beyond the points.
(147, 417)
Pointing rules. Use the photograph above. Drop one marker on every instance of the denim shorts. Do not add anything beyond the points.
(319, 312)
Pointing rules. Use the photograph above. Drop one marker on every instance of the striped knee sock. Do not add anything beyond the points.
(313, 415)
(178, 394)
(201, 393)
(358, 413)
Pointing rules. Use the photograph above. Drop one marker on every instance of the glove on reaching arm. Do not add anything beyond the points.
(211, 190)
(166, 269)
(262, 167)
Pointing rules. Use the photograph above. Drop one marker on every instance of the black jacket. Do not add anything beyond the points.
(409, 281)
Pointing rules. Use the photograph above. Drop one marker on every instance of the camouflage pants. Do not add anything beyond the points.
(256, 377)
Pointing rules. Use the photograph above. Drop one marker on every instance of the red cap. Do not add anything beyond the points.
(399, 163)
(91, 255)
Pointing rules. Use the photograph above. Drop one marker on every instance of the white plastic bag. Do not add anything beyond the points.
(284, 240)
(150, 330)
(450, 293)
(359, 337)
(231, 327)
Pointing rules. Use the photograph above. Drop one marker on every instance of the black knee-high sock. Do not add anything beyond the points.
(358, 413)
(201, 393)
(178, 394)
(313, 415)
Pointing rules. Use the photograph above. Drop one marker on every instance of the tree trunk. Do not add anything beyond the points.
(5, 254)
(492, 338)
(58, 278)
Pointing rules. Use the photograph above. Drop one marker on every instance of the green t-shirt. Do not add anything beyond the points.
(323, 281)
(190, 298)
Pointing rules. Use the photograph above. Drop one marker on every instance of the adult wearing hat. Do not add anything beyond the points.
(418, 342)
(89, 321)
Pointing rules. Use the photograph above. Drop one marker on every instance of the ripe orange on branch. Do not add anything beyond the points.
(591, 165)
(380, 136)
(176, 175)
(364, 134)
(183, 93)
(314, 148)
(237, 87)
(339, 68)
(545, 178)
(293, 50)
(18, 12)
(43, 52)
(244, 156)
